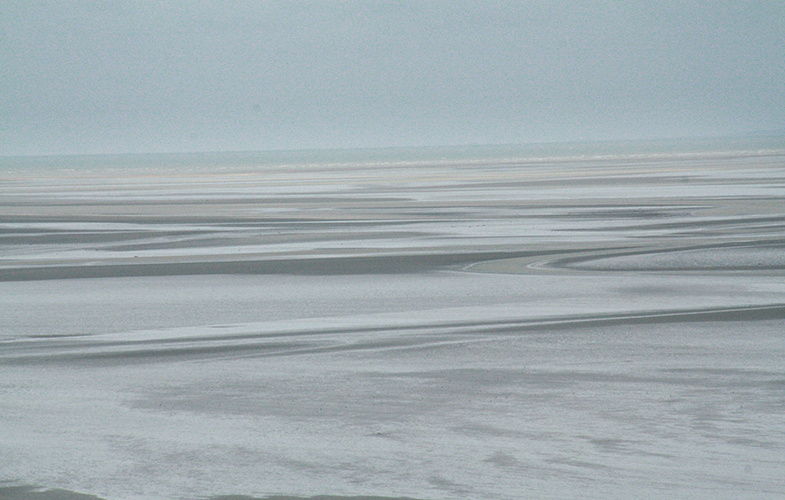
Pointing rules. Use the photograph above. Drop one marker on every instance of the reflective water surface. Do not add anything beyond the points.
(585, 325)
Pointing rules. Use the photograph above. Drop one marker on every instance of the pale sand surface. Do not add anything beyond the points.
(583, 327)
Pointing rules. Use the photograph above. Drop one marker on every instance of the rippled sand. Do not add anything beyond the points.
(562, 328)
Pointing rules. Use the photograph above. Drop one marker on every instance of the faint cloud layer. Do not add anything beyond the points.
(111, 76)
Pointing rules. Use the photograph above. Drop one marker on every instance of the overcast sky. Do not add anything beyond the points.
(116, 76)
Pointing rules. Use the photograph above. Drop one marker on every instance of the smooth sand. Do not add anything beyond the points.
(552, 329)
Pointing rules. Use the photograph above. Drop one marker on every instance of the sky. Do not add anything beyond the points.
(131, 76)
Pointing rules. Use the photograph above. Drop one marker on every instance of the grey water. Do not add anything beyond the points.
(501, 322)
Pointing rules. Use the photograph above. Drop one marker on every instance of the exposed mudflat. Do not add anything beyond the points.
(560, 328)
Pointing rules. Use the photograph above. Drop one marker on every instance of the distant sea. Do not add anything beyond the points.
(431, 155)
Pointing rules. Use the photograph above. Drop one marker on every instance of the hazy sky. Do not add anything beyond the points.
(99, 76)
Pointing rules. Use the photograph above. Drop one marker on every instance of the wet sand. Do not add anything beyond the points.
(560, 328)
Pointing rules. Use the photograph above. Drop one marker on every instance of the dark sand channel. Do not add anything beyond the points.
(593, 327)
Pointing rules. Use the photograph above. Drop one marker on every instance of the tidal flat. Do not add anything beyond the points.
(503, 324)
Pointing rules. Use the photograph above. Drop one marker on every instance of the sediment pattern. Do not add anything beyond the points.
(603, 327)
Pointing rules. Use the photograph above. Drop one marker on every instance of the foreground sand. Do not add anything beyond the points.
(561, 328)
